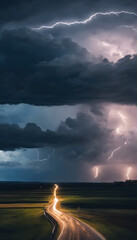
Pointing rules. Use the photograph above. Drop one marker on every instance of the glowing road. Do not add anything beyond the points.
(70, 227)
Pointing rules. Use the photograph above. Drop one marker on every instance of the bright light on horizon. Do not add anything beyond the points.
(128, 172)
(96, 171)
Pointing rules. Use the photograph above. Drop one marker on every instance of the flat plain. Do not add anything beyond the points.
(21, 210)
(111, 208)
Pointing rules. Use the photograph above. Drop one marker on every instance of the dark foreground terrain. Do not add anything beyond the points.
(111, 208)
(21, 209)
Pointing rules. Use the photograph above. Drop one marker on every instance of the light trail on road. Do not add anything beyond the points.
(55, 199)
(70, 227)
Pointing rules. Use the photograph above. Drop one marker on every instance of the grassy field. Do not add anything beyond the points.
(109, 208)
(24, 224)
(21, 210)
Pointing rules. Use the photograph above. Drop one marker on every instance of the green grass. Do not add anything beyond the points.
(24, 224)
(113, 224)
(110, 209)
(20, 214)
(25, 197)
(100, 202)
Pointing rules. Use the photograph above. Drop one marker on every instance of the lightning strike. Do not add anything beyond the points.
(118, 130)
(130, 27)
(45, 159)
(96, 172)
(123, 118)
(115, 150)
(128, 172)
(92, 17)
(105, 44)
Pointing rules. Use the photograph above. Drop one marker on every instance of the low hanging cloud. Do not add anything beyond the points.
(81, 131)
(86, 138)
(43, 70)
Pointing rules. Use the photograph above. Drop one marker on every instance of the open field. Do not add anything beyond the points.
(24, 224)
(109, 208)
(21, 210)
(25, 192)
(24, 197)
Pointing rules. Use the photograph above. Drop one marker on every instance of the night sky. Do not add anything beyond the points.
(68, 90)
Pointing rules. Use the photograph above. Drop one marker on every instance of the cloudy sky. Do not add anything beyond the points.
(68, 90)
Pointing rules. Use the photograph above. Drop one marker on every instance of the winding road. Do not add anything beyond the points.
(70, 227)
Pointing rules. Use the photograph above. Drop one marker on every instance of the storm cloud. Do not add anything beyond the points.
(33, 11)
(68, 94)
(43, 70)
(82, 131)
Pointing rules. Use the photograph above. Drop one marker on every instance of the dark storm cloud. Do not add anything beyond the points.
(35, 11)
(97, 139)
(13, 137)
(97, 109)
(81, 131)
(38, 69)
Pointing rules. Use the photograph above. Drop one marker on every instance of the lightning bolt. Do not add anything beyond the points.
(115, 150)
(92, 17)
(125, 122)
(96, 171)
(128, 172)
(129, 26)
(123, 118)
(48, 157)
